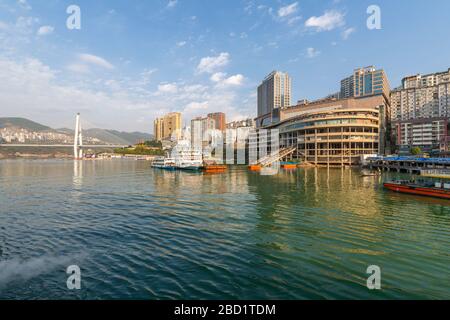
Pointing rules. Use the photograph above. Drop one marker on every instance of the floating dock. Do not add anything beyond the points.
(408, 164)
(440, 174)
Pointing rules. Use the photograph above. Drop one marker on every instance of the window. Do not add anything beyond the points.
(368, 84)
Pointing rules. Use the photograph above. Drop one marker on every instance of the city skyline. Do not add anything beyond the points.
(198, 63)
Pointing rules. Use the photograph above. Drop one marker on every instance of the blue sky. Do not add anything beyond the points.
(135, 60)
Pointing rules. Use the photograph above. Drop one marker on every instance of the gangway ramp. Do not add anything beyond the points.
(272, 158)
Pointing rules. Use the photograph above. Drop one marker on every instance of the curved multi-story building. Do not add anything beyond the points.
(337, 132)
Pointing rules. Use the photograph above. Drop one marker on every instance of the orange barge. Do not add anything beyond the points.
(439, 190)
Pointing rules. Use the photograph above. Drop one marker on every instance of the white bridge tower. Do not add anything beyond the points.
(78, 141)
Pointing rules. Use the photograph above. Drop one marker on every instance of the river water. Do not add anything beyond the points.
(142, 233)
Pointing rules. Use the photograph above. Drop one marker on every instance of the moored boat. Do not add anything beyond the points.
(288, 165)
(436, 190)
(214, 168)
(186, 158)
(189, 167)
(163, 163)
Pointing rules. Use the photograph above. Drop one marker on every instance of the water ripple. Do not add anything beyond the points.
(148, 234)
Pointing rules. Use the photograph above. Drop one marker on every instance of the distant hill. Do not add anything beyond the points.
(23, 123)
(117, 137)
(108, 136)
(112, 136)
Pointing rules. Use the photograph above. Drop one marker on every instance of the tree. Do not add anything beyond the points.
(416, 151)
(154, 144)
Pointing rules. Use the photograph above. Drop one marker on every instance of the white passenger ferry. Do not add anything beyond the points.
(187, 158)
(164, 163)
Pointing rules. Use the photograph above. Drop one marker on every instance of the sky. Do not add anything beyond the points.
(135, 60)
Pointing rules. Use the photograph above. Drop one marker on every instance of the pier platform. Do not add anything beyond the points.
(408, 164)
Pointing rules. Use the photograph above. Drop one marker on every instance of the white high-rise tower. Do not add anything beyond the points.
(274, 92)
(78, 141)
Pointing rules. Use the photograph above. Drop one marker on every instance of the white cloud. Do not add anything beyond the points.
(293, 20)
(78, 68)
(312, 53)
(347, 32)
(18, 36)
(326, 22)
(33, 90)
(181, 43)
(36, 91)
(24, 24)
(236, 80)
(24, 4)
(194, 89)
(172, 3)
(95, 60)
(288, 10)
(266, 10)
(211, 64)
(45, 30)
(218, 76)
(3, 26)
(145, 76)
(113, 84)
(168, 88)
(195, 106)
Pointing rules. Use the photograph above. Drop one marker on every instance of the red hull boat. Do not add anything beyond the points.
(420, 190)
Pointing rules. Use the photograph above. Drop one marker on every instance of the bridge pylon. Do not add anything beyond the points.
(78, 141)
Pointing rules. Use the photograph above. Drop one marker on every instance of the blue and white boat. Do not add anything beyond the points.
(164, 163)
(187, 158)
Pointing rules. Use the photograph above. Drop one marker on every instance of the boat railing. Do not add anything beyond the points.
(436, 171)
(442, 185)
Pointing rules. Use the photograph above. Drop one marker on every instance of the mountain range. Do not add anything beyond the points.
(107, 136)
(23, 123)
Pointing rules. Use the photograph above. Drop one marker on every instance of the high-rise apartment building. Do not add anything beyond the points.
(369, 81)
(158, 129)
(421, 97)
(219, 120)
(165, 127)
(200, 127)
(428, 134)
(347, 87)
(274, 93)
(365, 82)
